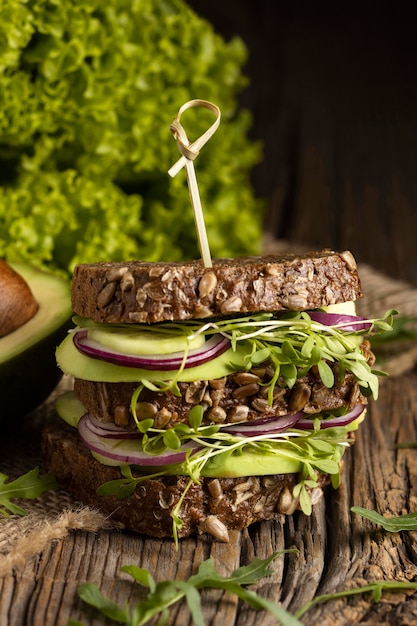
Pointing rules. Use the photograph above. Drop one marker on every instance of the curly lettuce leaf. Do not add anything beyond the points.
(87, 94)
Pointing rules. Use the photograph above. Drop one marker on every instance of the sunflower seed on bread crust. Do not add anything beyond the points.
(179, 291)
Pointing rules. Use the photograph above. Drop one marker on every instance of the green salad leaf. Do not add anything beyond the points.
(28, 486)
(164, 594)
(393, 524)
(87, 94)
(375, 588)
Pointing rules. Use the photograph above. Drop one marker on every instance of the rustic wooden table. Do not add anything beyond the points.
(335, 549)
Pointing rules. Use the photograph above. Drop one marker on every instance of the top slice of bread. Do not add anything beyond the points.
(141, 292)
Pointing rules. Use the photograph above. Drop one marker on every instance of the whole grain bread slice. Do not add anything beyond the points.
(213, 505)
(140, 292)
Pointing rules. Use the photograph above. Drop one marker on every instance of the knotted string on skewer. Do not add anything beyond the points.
(189, 152)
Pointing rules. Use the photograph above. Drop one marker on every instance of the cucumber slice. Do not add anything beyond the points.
(73, 362)
(69, 408)
(137, 342)
(250, 463)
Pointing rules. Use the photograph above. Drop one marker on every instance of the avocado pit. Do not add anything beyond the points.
(17, 302)
(28, 370)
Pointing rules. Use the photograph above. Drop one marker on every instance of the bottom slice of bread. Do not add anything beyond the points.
(214, 505)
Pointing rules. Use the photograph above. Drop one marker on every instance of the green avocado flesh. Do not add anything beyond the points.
(69, 408)
(71, 361)
(28, 371)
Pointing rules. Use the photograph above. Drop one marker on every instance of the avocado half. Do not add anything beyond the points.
(28, 369)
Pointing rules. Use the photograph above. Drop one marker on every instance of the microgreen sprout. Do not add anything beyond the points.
(293, 343)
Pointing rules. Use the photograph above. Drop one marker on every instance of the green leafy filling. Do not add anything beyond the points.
(318, 451)
(293, 343)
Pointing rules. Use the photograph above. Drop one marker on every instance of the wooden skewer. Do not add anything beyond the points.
(189, 152)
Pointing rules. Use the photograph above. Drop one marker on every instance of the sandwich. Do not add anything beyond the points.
(206, 399)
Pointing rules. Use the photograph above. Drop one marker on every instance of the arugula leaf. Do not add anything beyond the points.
(91, 595)
(140, 575)
(163, 595)
(193, 600)
(207, 574)
(406, 445)
(29, 486)
(390, 524)
(260, 603)
(375, 588)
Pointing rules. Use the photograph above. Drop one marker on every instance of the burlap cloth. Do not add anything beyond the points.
(52, 516)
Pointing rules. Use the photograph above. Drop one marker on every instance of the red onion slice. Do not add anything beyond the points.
(349, 323)
(331, 422)
(213, 347)
(117, 450)
(109, 430)
(264, 425)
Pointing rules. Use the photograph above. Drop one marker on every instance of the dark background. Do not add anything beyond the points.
(333, 92)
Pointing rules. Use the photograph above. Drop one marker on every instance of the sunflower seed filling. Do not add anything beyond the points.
(287, 504)
(106, 294)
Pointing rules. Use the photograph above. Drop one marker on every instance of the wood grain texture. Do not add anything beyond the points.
(334, 101)
(335, 549)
